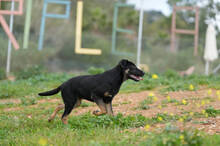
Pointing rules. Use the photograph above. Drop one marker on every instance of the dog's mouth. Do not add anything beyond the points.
(137, 78)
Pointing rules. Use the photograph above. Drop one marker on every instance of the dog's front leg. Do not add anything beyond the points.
(102, 107)
(109, 109)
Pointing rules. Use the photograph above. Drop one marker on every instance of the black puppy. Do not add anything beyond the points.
(100, 88)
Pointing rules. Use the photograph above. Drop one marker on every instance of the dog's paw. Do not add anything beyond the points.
(95, 112)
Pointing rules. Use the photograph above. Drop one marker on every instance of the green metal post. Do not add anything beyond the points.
(27, 24)
(115, 29)
(114, 32)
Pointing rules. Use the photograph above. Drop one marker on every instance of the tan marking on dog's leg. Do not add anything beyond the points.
(102, 107)
(79, 101)
(65, 120)
(60, 107)
(109, 109)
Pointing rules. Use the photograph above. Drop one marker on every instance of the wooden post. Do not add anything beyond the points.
(194, 32)
(196, 37)
(173, 38)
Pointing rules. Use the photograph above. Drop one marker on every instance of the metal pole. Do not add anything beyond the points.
(173, 28)
(9, 41)
(207, 68)
(114, 32)
(42, 27)
(27, 24)
(140, 33)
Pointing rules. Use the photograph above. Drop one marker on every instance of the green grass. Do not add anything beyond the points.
(17, 129)
(166, 82)
(144, 105)
(28, 125)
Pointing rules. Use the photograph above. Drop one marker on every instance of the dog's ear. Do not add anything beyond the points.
(123, 63)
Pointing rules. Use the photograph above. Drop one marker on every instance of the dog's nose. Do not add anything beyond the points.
(143, 73)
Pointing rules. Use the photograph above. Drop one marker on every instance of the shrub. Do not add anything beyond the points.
(2, 74)
(30, 72)
(93, 70)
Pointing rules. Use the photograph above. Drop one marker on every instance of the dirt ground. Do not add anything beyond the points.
(128, 104)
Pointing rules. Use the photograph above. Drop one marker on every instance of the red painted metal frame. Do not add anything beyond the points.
(8, 12)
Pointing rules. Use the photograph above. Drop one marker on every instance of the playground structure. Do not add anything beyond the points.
(78, 35)
(79, 17)
(5, 25)
(9, 31)
(115, 29)
(175, 30)
(49, 15)
(78, 49)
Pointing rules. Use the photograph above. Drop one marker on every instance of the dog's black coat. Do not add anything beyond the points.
(100, 88)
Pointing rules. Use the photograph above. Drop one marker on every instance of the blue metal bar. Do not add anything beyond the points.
(42, 27)
(58, 16)
(57, 2)
(48, 15)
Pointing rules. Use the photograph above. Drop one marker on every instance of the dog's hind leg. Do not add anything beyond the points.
(60, 107)
(102, 107)
(67, 111)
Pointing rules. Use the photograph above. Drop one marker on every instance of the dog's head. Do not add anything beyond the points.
(131, 71)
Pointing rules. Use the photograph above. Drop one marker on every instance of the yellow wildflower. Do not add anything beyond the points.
(151, 94)
(147, 127)
(202, 102)
(206, 115)
(42, 142)
(209, 92)
(181, 137)
(155, 76)
(181, 119)
(184, 102)
(219, 98)
(218, 92)
(203, 112)
(171, 114)
(168, 98)
(159, 106)
(160, 118)
(191, 87)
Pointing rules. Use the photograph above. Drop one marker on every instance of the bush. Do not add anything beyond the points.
(2, 74)
(93, 70)
(30, 72)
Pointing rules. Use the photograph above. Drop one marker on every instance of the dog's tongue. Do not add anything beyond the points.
(140, 78)
(137, 77)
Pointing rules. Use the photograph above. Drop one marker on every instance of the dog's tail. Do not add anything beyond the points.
(51, 92)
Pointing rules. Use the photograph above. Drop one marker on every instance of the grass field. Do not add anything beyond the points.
(162, 109)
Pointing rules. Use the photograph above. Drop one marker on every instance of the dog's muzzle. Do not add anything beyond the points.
(138, 78)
